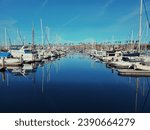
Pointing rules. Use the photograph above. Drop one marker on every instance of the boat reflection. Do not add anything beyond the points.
(3, 75)
(142, 94)
(25, 70)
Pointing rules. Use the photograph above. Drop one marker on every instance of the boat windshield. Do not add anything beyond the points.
(27, 51)
(99, 53)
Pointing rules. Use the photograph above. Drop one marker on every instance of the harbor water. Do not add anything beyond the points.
(74, 83)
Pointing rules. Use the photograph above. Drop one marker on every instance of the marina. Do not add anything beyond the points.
(53, 86)
(72, 62)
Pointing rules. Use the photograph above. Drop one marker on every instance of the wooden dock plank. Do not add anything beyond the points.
(131, 72)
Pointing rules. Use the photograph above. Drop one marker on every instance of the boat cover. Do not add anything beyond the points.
(5, 54)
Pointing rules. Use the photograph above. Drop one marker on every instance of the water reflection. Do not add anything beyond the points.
(136, 97)
(3, 76)
(146, 95)
(75, 83)
(26, 70)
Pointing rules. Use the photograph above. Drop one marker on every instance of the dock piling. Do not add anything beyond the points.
(3, 63)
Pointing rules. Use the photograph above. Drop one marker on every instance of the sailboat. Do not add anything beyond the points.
(131, 59)
(133, 54)
(42, 54)
(141, 65)
(6, 58)
(25, 52)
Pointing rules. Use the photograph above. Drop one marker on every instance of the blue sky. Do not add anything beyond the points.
(72, 20)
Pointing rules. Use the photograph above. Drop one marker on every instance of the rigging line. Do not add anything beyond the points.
(20, 37)
(46, 38)
(8, 37)
(144, 30)
(146, 13)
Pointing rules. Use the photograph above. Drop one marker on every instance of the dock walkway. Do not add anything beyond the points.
(131, 72)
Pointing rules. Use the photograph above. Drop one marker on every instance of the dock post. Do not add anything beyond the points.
(3, 63)
(21, 59)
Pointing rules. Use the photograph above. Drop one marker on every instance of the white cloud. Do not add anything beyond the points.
(7, 22)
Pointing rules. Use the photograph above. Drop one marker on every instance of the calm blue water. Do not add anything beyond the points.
(75, 83)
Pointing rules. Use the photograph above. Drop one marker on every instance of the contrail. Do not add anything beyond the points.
(44, 3)
(71, 20)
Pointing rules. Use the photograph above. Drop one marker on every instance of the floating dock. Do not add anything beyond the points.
(11, 64)
(131, 72)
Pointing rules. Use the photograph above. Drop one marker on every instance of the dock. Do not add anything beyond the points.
(131, 72)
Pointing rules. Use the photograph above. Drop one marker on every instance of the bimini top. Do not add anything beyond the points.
(5, 54)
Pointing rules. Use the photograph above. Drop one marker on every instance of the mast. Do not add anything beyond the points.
(48, 33)
(113, 42)
(18, 37)
(24, 40)
(5, 37)
(147, 33)
(33, 35)
(42, 33)
(147, 30)
(140, 26)
(131, 40)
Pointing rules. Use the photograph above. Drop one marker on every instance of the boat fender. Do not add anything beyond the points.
(134, 67)
(21, 59)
